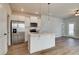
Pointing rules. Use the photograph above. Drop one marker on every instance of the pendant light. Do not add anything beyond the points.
(48, 10)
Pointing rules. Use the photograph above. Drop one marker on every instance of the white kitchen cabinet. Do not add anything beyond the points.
(41, 41)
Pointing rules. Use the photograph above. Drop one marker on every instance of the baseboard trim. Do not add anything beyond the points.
(70, 37)
(58, 37)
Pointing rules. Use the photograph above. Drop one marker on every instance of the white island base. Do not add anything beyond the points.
(41, 41)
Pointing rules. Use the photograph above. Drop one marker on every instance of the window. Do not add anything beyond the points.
(71, 29)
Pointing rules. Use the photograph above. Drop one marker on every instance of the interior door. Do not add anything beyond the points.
(3, 32)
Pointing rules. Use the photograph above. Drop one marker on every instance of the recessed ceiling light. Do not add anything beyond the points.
(22, 9)
(36, 12)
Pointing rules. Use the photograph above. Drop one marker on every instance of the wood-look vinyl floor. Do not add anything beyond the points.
(19, 49)
(64, 46)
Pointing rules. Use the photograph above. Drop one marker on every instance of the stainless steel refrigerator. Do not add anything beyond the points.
(18, 32)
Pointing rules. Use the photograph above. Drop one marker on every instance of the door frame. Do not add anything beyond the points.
(11, 32)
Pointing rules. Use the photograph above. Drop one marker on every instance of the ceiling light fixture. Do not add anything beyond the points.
(77, 12)
(22, 9)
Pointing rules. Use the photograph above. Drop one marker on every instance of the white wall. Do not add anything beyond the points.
(4, 12)
(52, 24)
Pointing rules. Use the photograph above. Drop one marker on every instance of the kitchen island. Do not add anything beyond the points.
(41, 41)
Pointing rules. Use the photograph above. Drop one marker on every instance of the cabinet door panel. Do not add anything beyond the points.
(41, 42)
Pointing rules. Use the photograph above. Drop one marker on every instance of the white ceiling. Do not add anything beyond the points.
(61, 10)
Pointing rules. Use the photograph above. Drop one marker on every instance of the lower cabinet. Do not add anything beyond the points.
(41, 42)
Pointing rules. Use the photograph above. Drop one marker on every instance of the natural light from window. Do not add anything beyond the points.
(71, 29)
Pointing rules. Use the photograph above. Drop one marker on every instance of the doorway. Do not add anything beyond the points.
(71, 29)
(17, 32)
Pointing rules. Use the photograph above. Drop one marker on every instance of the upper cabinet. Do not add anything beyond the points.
(28, 19)
(18, 17)
(35, 19)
